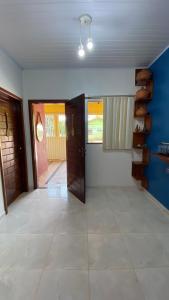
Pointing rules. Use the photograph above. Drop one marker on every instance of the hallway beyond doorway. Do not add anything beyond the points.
(55, 174)
(48, 138)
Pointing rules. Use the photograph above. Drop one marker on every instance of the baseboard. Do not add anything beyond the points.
(155, 201)
(110, 186)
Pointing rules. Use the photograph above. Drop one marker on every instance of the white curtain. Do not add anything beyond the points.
(118, 122)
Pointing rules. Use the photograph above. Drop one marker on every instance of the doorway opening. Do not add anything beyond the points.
(42, 128)
(49, 125)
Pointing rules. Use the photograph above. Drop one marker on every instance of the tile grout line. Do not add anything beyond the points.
(44, 269)
(88, 273)
(141, 288)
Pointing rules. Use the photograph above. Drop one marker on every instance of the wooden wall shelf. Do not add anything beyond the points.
(139, 138)
(139, 147)
(139, 101)
(138, 170)
(140, 163)
(144, 183)
(142, 83)
(162, 157)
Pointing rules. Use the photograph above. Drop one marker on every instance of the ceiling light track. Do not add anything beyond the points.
(85, 22)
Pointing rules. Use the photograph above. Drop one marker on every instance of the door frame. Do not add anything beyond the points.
(32, 134)
(7, 96)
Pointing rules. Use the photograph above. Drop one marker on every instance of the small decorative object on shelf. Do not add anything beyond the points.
(163, 148)
(143, 78)
(162, 157)
(138, 128)
(143, 94)
(140, 110)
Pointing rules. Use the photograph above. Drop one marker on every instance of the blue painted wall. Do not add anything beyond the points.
(159, 109)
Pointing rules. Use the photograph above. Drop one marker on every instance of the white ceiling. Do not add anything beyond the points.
(45, 33)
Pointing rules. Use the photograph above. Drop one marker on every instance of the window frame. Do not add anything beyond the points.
(56, 125)
(91, 100)
(55, 128)
(58, 135)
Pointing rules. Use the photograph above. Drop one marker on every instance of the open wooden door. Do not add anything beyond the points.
(75, 144)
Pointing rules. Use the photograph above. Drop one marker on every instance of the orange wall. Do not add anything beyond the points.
(54, 108)
(95, 108)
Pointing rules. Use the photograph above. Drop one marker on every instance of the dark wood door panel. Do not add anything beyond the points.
(75, 124)
(11, 149)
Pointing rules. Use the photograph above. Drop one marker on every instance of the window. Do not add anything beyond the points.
(95, 121)
(118, 122)
(50, 125)
(61, 125)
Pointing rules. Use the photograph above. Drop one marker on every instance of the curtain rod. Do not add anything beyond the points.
(97, 97)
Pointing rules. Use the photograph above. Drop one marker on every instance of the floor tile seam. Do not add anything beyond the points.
(115, 268)
(158, 266)
(58, 268)
(124, 236)
(49, 249)
(66, 268)
(154, 235)
(140, 285)
(38, 285)
(118, 234)
(26, 234)
(89, 287)
(90, 270)
(130, 256)
(84, 234)
(151, 268)
(21, 269)
(33, 234)
(43, 270)
(138, 232)
(31, 268)
(105, 232)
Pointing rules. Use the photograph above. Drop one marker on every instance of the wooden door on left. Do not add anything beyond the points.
(13, 160)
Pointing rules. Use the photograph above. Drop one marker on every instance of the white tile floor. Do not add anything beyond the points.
(116, 247)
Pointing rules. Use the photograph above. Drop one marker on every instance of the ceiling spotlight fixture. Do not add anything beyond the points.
(85, 21)
(81, 51)
(89, 44)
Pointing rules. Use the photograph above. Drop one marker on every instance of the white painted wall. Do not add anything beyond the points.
(108, 168)
(10, 75)
(113, 168)
(11, 80)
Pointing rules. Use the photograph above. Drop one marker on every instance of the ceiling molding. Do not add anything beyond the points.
(158, 56)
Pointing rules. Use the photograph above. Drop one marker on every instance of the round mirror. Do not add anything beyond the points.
(39, 131)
